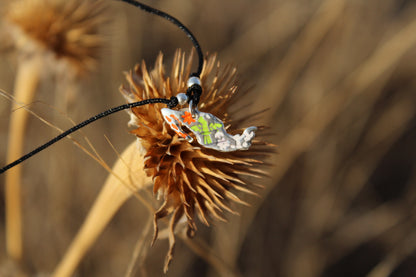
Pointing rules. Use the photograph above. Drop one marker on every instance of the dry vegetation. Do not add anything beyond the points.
(338, 79)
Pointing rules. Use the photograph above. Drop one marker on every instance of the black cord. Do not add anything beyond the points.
(177, 23)
(172, 102)
(193, 92)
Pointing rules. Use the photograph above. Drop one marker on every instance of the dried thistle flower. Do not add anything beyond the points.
(192, 180)
(67, 30)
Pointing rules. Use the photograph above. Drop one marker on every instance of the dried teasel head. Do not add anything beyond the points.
(67, 31)
(193, 181)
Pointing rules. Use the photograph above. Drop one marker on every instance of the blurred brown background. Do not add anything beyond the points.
(338, 77)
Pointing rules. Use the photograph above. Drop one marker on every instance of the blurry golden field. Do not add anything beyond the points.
(337, 78)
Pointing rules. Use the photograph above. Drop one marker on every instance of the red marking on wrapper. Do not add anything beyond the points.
(187, 118)
(182, 134)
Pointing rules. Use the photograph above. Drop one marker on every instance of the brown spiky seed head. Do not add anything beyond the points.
(192, 180)
(67, 30)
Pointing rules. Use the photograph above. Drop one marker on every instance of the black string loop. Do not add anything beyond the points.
(194, 93)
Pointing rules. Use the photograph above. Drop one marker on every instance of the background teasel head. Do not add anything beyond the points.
(193, 181)
(64, 30)
(54, 39)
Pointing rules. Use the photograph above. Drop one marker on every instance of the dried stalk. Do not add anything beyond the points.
(302, 135)
(302, 50)
(115, 192)
(139, 252)
(26, 83)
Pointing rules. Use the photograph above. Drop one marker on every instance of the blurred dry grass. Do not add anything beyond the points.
(339, 79)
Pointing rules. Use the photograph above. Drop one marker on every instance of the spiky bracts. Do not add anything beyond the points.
(192, 180)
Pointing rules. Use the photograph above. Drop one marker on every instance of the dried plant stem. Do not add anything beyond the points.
(401, 248)
(206, 253)
(140, 251)
(285, 19)
(112, 196)
(26, 83)
(303, 48)
(379, 64)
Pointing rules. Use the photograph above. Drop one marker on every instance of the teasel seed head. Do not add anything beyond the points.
(193, 181)
(67, 31)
